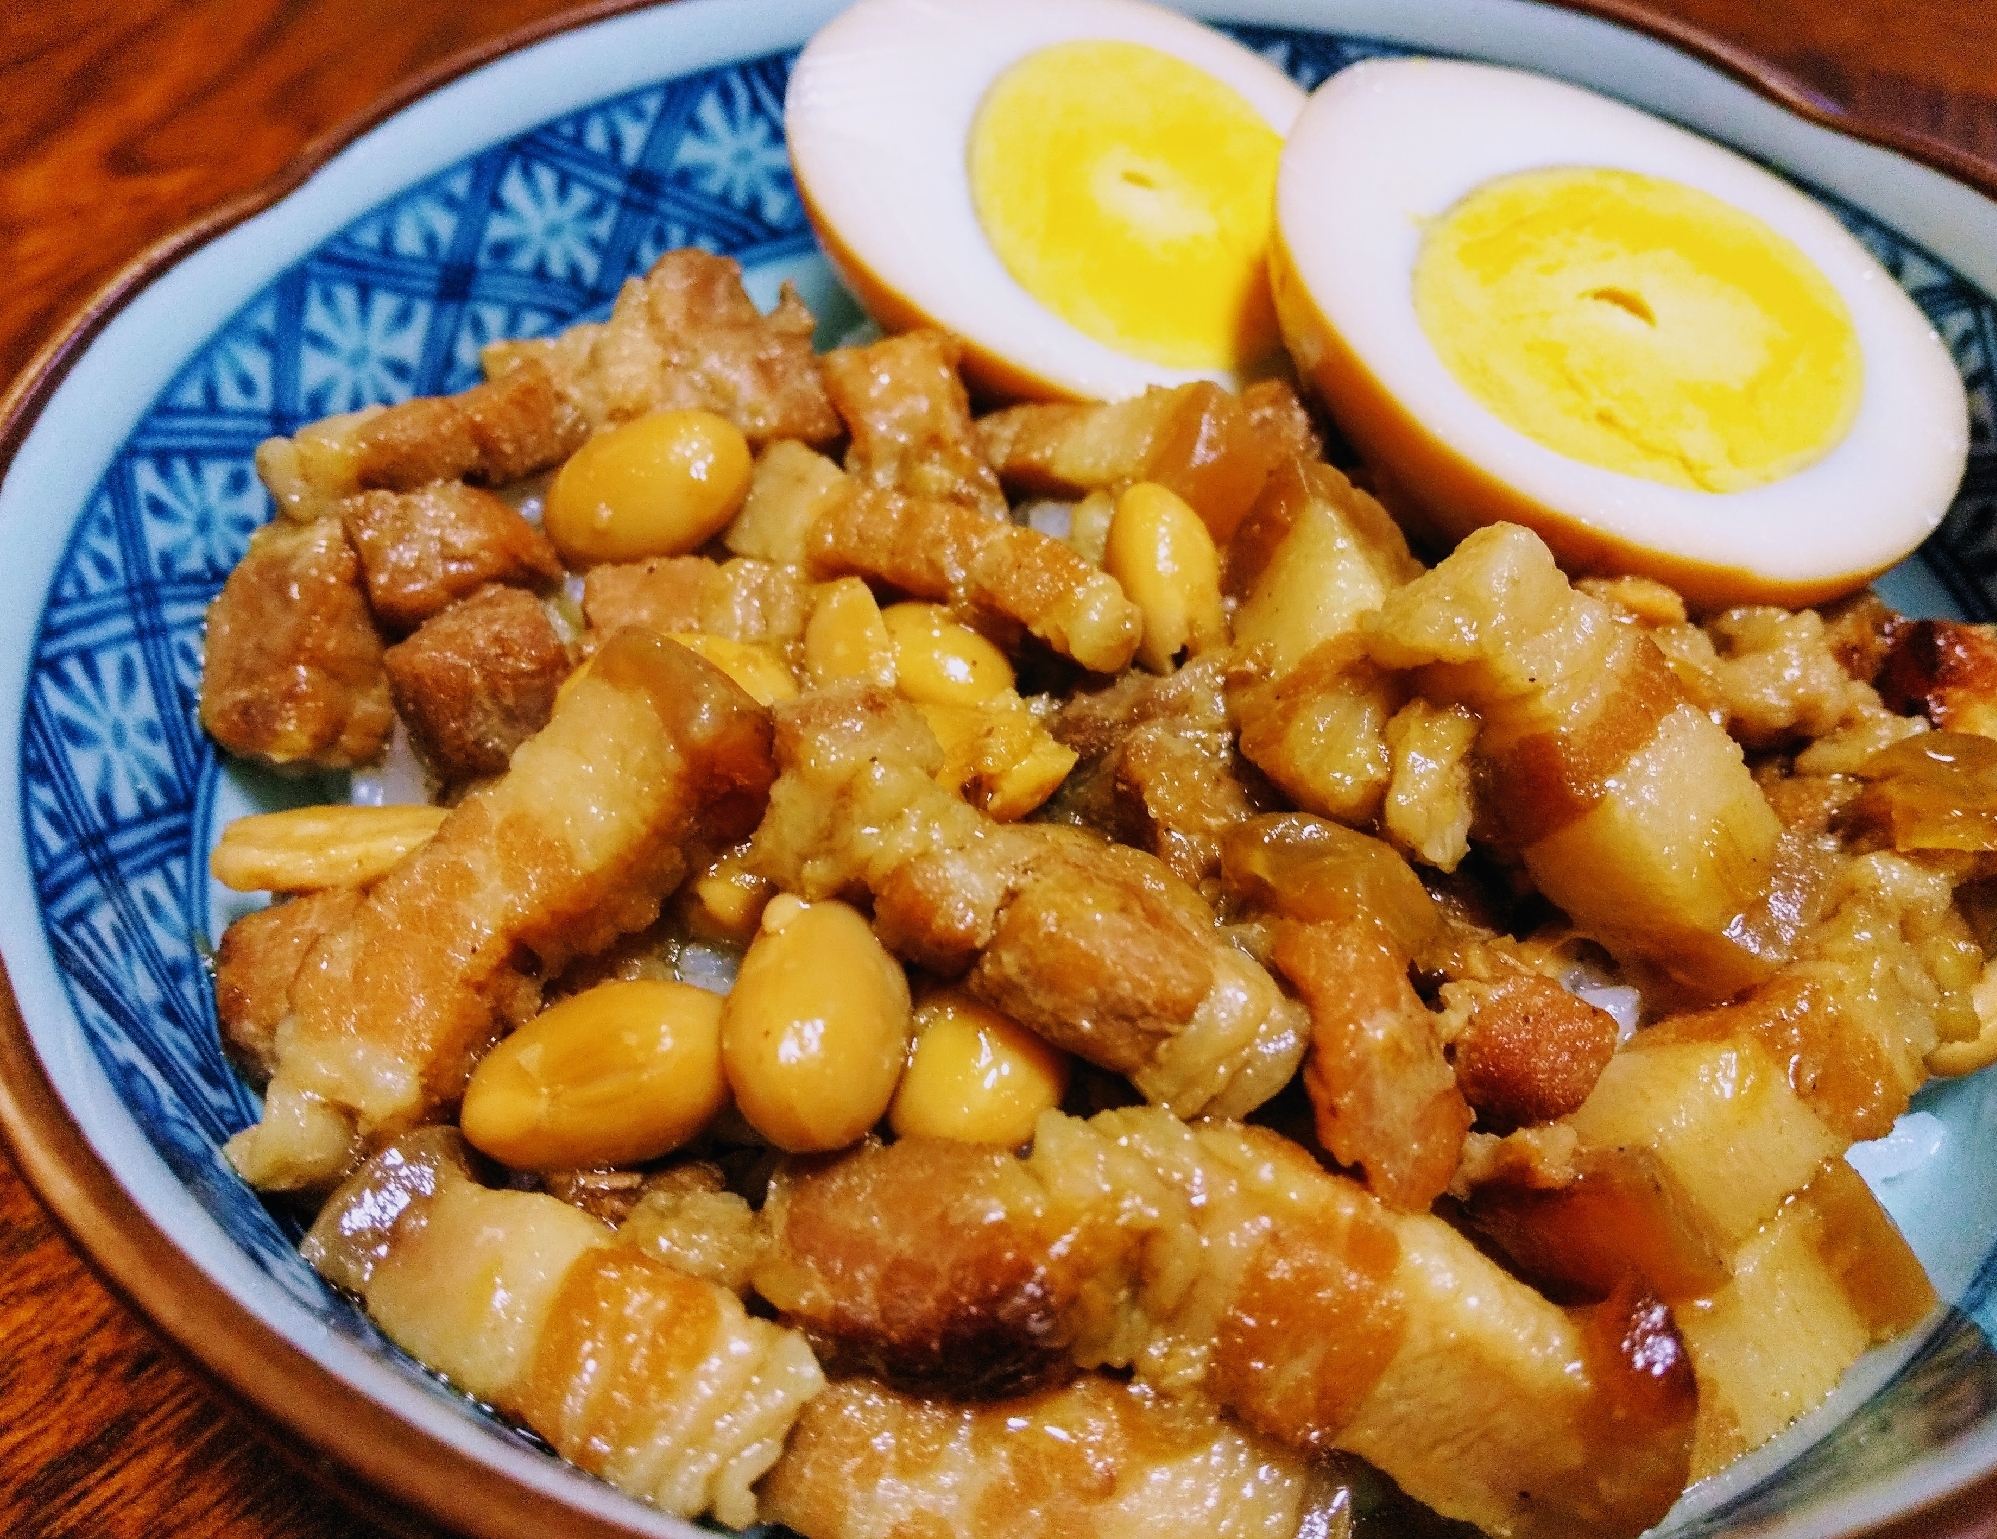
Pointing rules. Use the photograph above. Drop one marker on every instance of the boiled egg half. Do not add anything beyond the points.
(1081, 190)
(1525, 302)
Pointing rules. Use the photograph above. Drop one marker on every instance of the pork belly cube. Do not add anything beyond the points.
(657, 1382)
(424, 550)
(478, 680)
(1685, 1150)
(293, 667)
(1095, 1459)
(1629, 806)
(496, 432)
(1827, 1277)
(940, 549)
(910, 420)
(1531, 1051)
(687, 335)
(740, 600)
(493, 433)
(791, 486)
(1213, 449)
(1945, 671)
(257, 959)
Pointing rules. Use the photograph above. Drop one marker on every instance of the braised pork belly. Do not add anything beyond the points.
(1091, 1459)
(1440, 997)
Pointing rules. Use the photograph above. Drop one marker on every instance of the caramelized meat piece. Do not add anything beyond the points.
(575, 845)
(1880, 981)
(1684, 1150)
(478, 680)
(1068, 448)
(1827, 1278)
(1214, 449)
(1191, 702)
(686, 1218)
(933, 548)
(493, 433)
(687, 335)
(1097, 947)
(1629, 807)
(790, 487)
(292, 672)
(1385, 1098)
(1615, 1217)
(739, 600)
(1220, 1259)
(656, 1381)
(1530, 1051)
(259, 956)
(1947, 672)
(1319, 731)
(925, 547)
(424, 550)
(1280, 422)
(1100, 944)
(1093, 1459)
(1348, 917)
(910, 421)
(1158, 767)
(1862, 632)
(1314, 556)
(1774, 676)
(1698, 1171)
(978, 1314)
(1101, 950)
(497, 432)
(1428, 809)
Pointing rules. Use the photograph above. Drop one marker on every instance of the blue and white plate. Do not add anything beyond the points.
(513, 200)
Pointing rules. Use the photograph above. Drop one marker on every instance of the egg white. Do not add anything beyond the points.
(878, 116)
(1388, 146)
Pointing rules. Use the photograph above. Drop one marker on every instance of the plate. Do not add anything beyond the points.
(512, 200)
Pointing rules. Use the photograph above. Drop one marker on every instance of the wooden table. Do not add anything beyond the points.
(119, 123)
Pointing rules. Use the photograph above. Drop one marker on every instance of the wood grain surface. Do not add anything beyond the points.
(122, 122)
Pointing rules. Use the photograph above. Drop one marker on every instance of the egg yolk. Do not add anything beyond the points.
(1641, 325)
(1132, 194)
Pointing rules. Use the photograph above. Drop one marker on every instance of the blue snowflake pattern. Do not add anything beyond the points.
(619, 129)
(420, 225)
(736, 151)
(202, 513)
(184, 661)
(50, 822)
(359, 347)
(105, 715)
(96, 562)
(235, 375)
(548, 224)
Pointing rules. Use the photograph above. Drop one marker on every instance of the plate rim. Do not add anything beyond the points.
(406, 1472)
